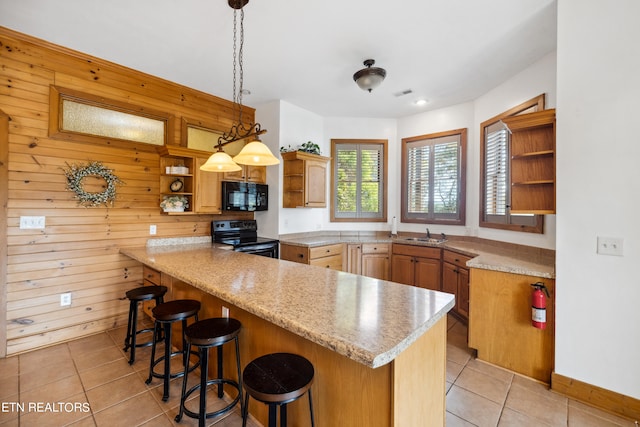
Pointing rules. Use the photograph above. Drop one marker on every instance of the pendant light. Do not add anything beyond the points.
(220, 162)
(370, 77)
(255, 153)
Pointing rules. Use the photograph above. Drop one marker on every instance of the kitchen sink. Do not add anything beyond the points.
(425, 240)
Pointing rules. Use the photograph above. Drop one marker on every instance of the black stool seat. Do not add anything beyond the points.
(143, 293)
(277, 379)
(165, 315)
(176, 310)
(206, 334)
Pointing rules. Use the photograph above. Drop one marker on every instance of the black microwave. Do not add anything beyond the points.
(244, 196)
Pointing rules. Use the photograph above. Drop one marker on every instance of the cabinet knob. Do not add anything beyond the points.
(328, 250)
(300, 256)
(456, 260)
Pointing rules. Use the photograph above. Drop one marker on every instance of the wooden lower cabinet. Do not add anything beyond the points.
(328, 256)
(416, 265)
(375, 260)
(455, 280)
(500, 323)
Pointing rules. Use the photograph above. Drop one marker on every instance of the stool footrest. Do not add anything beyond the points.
(212, 414)
(175, 375)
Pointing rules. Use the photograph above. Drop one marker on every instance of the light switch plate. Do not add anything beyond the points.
(31, 222)
(610, 246)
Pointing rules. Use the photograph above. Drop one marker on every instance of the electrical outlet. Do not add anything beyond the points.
(610, 246)
(32, 222)
(225, 311)
(65, 299)
(153, 229)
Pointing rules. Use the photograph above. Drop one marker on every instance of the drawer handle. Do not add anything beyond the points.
(457, 260)
(328, 250)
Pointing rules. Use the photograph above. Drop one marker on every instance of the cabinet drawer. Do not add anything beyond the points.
(333, 261)
(325, 251)
(150, 275)
(294, 253)
(375, 248)
(418, 251)
(455, 258)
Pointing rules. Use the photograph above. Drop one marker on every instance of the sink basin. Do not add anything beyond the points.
(425, 240)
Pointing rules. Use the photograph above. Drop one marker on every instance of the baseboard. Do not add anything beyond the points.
(606, 400)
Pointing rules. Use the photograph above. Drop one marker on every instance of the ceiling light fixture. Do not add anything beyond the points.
(370, 77)
(255, 153)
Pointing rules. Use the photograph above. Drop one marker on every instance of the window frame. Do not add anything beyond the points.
(462, 179)
(334, 155)
(534, 104)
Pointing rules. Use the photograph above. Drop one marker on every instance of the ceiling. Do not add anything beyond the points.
(445, 51)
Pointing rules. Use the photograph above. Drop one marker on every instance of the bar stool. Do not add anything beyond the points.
(277, 379)
(144, 293)
(204, 335)
(166, 314)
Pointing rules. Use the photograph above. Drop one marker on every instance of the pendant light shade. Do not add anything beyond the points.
(370, 77)
(220, 162)
(256, 153)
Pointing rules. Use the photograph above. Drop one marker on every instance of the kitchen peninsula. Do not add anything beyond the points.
(378, 347)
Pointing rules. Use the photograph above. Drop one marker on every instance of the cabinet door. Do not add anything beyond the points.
(315, 184)
(427, 273)
(463, 292)
(234, 176)
(450, 280)
(402, 268)
(207, 190)
(354, 265)
(376, 266)
(257, 174)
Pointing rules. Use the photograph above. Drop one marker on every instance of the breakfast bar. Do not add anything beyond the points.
(378, 347)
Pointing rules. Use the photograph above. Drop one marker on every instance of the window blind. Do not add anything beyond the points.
(496, 171)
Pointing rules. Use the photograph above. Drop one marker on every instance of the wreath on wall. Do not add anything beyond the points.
(77, 173)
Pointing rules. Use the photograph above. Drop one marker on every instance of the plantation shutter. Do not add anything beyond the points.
(359, 181)
(496, 172)
(433, 178)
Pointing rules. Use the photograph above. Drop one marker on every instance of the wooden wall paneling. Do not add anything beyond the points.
(4, 197)
(77, 251)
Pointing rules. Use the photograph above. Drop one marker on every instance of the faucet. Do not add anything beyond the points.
(428, 234)
(443, 236)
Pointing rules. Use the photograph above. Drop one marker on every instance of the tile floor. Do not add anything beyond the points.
(92, 375)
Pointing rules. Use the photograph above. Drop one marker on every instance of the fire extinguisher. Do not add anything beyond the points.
(539, 305)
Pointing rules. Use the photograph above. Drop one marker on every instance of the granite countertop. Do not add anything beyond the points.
(486, 254)
(367, 320)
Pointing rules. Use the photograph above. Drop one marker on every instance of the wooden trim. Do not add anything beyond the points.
(536, 104)
(404, 216)
(4, 198)
(607, 400)
(58, 94)
(385, 157)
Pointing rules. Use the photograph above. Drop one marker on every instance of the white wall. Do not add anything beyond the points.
(539, 78)
(597, 305)
(298, 126)
(268, 115)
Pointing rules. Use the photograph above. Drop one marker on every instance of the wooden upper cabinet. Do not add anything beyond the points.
(533, 162)
(257, 174)
(208, 197)
(305, 180)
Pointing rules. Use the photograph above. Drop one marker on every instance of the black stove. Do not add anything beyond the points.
(243, 236)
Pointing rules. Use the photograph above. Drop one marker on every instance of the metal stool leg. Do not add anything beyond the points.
(283, 415)
(311, 408)
(167, 362)
(220, 387)
(272, 414)
(204, 369)
(238, 367)
(245, 414)
(153, 353)
(127, 340)
(184, 388)
(134, 333)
